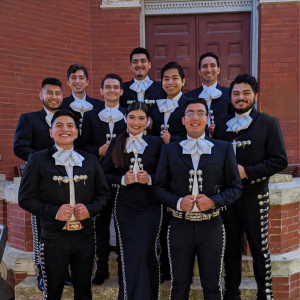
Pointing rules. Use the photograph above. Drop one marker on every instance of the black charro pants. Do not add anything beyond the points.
(102, 226)
(205, 239)
(62, 248)
(248, 215)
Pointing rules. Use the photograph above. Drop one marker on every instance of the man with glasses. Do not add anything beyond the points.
(195, 178)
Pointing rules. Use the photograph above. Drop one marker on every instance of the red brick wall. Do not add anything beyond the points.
(287, 288)
(38, 39)
(114, 33)
(19, 228)
(284, 228)
(279, 70)
(44, 43)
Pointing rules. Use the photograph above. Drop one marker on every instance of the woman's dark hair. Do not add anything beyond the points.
(119, 156)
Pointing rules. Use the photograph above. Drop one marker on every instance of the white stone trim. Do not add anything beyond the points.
(18, 261)
(285, 264)
(3, 270)
(113, 4)
(285, 192)
(154, 7)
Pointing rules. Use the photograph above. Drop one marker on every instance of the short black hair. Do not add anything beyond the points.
(195, 101)
(172, 65)
(75, 67)
(209, 54)
(51, 80)
(245, 78)
(139, 50)
(63, 112)
(112, 76)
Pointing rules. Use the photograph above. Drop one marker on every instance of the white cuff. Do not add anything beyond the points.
(123, 181)
(178, 204)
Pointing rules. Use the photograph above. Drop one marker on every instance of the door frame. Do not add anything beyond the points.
(178, 7)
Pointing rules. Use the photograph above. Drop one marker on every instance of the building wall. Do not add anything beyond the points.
(41, 39)
(279, 70)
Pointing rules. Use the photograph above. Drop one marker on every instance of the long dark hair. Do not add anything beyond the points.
(119, 156)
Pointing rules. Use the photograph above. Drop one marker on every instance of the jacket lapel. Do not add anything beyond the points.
(43, 118)
(254, 115)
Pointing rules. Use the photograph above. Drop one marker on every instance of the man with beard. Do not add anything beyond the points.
(141, 87)
(32, 135)
(260, 153)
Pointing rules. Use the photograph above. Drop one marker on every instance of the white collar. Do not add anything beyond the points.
(80, 99)
(176, 98)
(247, 113)
(213, 85)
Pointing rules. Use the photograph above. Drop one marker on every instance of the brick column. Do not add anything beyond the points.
(18, 257)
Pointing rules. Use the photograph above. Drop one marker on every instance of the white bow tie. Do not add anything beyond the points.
(238, 123)
(68, 158)
(141, 85)
(209, 93)
(81, 106)
(196, 146)
(48, 119)
(166, 105)
(110, 115)
(135, 144)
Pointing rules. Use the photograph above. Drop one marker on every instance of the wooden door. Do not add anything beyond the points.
(171, 38)
(184, 38)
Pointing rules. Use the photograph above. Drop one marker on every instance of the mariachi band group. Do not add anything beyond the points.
(184, 175)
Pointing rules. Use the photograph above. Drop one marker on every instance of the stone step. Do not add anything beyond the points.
(27, 290)
(247, 267)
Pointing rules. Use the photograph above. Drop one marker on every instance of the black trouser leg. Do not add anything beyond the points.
(102, 225)
(58, 250)
(81, 266)
(163, 241)
(182, 256)
(210, 243)
(233, 252)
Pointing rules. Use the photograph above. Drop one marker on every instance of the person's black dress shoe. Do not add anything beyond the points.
(99, 278)
(68, 279)
(40, 283)
(164, 277)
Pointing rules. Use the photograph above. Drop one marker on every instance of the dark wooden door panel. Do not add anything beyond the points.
(172, 38)
(228, 35)
(184, 38)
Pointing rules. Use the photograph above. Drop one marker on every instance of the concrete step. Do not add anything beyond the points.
(27, 290)
(247, 267)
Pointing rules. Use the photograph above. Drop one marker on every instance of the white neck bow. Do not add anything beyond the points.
(68, 158)
(141, 85)
(209, 93)
(196, 146)
(238, 123)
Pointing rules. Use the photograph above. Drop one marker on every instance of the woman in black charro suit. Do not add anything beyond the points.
(131, 163)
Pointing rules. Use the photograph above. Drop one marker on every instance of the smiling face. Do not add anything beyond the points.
(111, 92)
(195, 120)
(78, 83)
(242, 97)
(172, 83)
(51, 96)
(209, 70)
(64, 132)
(136, 121)
(140, 66)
